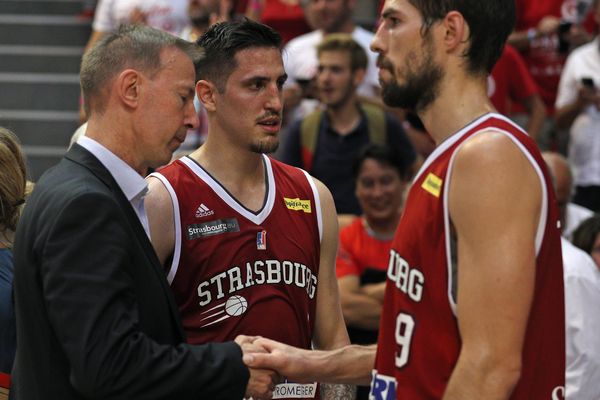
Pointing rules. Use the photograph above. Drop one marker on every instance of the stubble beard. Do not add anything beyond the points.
(264, 147)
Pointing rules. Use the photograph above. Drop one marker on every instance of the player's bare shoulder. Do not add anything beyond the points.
(493, 155)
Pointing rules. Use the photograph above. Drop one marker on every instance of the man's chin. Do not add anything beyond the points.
(266, 146)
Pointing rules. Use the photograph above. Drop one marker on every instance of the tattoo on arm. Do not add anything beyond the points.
(331, 391)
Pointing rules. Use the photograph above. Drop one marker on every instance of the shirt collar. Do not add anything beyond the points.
(131, 183)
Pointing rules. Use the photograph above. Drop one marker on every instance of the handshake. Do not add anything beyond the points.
(269, 362)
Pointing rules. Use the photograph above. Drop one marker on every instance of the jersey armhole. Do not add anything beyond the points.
(177, 223)
(450, 249)
(311, 182)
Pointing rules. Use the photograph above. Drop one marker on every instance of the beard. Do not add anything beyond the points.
(421, 87)
(265, 147)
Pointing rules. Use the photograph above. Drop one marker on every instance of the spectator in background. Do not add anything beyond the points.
(167, 15)
(365, 244)
(204, 13)
(300, 55)
(571, 214)
(13, 184)
(511, 83)
(326, 142)
(285, 16)
(587, 237)
(578, 109)
(545, 32)
(582, 321)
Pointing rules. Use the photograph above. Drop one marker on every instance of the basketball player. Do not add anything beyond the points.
(249, 243)
(474, 303)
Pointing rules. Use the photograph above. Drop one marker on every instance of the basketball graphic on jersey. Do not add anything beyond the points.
(236, 305)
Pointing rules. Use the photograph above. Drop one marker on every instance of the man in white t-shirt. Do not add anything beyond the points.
(578, 108)
(571, 214)
(300, 54)
(167, 15)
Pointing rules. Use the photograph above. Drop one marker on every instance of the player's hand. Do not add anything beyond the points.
(288, 361)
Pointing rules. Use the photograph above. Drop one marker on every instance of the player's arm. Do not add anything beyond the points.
(330, 329)
(494, 205)
(159, 208)
(360, 304)
(350, 364)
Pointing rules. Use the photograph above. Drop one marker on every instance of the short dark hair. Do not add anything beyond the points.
(222, 41)
(131, 46)
(490, 22)
(344, 42)
(385, 155)
(585, 234)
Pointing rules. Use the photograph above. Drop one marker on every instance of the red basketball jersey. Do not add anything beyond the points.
(235, 271)
(419, 339)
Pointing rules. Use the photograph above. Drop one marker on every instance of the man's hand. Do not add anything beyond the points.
(587, 96)
(262, 381)
(289, 361)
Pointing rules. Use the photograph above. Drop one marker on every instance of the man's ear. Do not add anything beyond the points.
(128, 86)
(206, 92)
(456, 30)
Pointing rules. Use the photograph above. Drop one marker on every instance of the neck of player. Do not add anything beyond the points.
(459, 102)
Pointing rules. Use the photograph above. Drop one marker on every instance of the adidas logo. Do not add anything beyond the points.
(203, 211)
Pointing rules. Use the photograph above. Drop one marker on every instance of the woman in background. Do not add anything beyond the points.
(13, 184)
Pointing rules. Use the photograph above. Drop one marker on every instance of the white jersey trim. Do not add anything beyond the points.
(257, 219)
(318, 210)
(177, 223)
(543, 211)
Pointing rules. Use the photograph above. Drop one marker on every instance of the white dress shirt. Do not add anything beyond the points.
(133, 185)
(582, 297)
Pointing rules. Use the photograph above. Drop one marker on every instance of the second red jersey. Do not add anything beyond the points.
(419, 339)
(235, 271)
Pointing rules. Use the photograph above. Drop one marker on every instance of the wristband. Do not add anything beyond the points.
(531, 34)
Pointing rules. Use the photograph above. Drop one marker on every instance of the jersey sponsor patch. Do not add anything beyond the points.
(432, 184)
(212, 228)
(298, 205)
(295, 391)
(383, 387)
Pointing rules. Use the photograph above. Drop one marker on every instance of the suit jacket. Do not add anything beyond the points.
(95, 315)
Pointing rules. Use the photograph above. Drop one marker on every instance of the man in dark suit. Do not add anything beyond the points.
(95, 317)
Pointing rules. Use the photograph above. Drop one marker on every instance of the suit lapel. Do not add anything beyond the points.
(83, 157)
